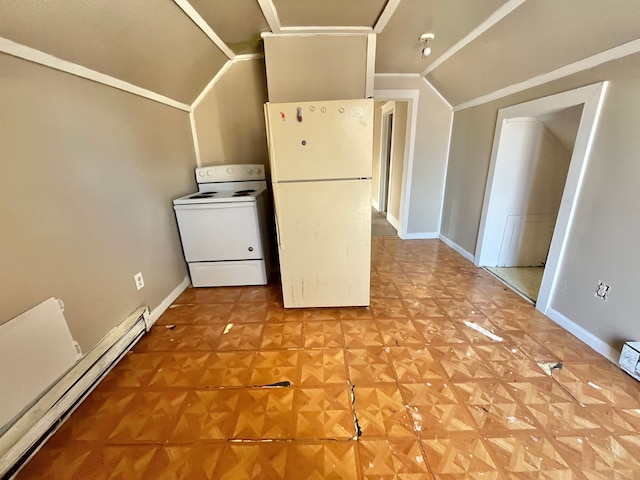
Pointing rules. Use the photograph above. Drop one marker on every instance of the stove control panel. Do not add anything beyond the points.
(230, 173)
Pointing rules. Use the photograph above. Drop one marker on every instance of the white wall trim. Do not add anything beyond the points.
(615, 53)
(437, 92)
(36, 56)
(270, 14)
(248, 56)
(386, 15)
(371, 65)
(405, 75)
(413, 96)
(374, 204)
(420, 236)
(599, 345)
(456, 247)
(194, 134)
(204, 26)
(169, 299)
(315, 32)
(491, 20)
(330, 30)
(592, 96)
(211, 84)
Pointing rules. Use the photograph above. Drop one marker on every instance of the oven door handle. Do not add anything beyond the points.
(209, 206)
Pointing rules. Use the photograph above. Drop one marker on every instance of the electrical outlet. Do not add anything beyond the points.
(602, 291)
(139, 280)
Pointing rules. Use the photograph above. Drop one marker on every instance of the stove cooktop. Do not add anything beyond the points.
(215, 197)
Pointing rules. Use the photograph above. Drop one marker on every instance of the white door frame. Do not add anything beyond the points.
(412, 97)
(386, 152)
(592, 96)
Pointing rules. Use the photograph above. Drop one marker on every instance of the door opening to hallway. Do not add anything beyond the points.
(540, 152)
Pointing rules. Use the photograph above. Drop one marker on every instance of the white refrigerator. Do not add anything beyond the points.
(321, 159)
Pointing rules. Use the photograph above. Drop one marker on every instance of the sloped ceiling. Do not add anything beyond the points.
(481, 45)
(155, 47)
(239, 23)
(334, 13)
(537, 37)
(398, 49)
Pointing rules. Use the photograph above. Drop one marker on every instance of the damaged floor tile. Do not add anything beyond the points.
(549, 367)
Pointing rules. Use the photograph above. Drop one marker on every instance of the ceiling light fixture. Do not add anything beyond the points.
(425, 39)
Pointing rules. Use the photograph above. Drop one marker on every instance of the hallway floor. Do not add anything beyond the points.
(525, 280)
(380, 226)
(445, 383)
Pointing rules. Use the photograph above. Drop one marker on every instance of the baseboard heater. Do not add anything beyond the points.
(23, 436)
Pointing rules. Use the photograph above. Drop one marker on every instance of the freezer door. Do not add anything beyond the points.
(320, 140)
(324, 237)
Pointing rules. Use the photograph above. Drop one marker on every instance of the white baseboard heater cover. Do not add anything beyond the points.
(36, 349)
(630, 359)
(27, 431)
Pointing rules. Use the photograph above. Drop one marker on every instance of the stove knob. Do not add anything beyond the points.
(251, 171)
(209, 173)
(201, 173)
(229, 170)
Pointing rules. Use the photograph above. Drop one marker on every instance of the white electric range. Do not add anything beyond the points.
(225, 227)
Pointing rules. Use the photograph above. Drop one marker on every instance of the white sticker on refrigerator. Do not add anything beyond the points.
(358, 112)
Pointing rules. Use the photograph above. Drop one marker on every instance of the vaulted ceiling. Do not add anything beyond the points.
(175, 47)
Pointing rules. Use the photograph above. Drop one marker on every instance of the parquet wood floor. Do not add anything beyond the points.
(440, 372)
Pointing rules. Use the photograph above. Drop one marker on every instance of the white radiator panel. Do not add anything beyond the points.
(36, 348)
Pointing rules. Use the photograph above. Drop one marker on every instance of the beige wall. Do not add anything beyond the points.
(430, 155)
(230, 119)
(87, 177)
(399, 129)
(315, 67)
(602, 243)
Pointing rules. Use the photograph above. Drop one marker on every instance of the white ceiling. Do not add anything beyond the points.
(155, 45)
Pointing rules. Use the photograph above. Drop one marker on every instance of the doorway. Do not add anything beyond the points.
(380, 224)
(390, 152)
(522, 221)
(540, 150)
(395, 193)
(386, 153)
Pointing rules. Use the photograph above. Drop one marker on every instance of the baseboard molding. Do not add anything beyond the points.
(599, 345)
(166, 303)
(375, 204)
(456, 247)
(420, 236)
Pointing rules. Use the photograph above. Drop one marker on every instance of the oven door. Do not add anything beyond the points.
(219, 231)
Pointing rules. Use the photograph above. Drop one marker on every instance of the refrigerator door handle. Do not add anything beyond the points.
(278, 231)
(275, 215)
